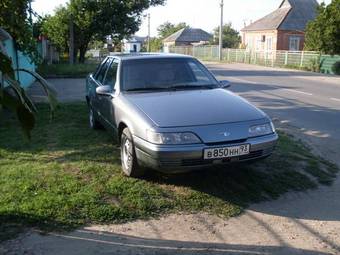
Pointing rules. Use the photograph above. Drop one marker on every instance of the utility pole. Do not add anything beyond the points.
(221, 30)
(30, 12)
(149, 32)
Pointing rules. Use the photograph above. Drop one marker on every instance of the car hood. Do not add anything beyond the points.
(194, 107)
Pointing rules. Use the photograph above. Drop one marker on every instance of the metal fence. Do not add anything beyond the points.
(298, 59)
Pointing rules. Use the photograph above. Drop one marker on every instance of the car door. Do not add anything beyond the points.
(93, 82)
(99, 79)
(108, 102)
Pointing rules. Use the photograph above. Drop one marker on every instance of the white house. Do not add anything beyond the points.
(133, 44)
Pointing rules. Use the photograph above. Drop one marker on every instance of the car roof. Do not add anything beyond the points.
(132, 56)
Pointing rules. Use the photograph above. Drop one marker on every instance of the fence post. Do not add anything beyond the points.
(236, 59)
(286, 58)
(255, 58)
(302, 58)
(228, 55)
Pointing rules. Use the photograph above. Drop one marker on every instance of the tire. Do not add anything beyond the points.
(94, 124)
(128, 157)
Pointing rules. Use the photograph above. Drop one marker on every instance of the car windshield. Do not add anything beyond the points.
(165, 74)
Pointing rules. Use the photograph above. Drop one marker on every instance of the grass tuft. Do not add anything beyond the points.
(64, 70)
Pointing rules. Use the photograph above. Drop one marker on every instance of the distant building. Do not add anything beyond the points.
(283, 29)
(133, 44)
(186, 37)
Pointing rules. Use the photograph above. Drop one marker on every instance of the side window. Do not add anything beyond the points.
(100, 66)
(101, 74)
(111, 75)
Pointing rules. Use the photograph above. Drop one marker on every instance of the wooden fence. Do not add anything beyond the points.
(307, 60)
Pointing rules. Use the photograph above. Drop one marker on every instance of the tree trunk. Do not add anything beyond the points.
(82, 52)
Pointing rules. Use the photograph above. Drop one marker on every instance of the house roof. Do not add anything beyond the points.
(189, 35)
(135, 39)
(291, 15)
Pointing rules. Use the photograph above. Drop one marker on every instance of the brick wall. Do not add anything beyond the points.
(283, 39)
(279, 39)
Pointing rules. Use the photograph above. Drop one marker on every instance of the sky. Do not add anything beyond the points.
(203, 14)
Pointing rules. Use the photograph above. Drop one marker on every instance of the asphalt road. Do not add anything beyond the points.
(308, 101)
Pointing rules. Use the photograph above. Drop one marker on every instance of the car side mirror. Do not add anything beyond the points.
(225, 84)
(104, 91)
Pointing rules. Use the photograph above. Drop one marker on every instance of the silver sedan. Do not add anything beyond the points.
(169, 113)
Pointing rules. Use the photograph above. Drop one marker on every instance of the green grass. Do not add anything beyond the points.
(66, 70)
(69, 175)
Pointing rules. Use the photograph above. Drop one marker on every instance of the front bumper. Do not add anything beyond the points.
(183, 158)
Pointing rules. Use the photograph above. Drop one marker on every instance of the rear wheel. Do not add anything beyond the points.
(128, 155)
(94, 124)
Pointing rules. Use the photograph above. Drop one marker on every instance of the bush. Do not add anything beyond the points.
(336, 68)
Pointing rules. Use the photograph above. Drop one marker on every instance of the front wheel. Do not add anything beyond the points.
(128, 155)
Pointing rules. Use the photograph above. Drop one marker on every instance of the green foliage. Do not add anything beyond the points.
(14, 19)
(167, 29)
(94, 20)
(231, 37)
(323, 34)
(56, 28)
(336, 68)
(73, 176)
(156, 45)
(96, 44)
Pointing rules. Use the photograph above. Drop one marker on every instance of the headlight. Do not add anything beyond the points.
(172, 138)
(259, 130)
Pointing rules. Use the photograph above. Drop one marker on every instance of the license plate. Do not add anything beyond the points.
(227, 152)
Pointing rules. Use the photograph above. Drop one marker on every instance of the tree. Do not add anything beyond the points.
(167, 29)
(56, 28)
(94, 20)
(14, 19)
(156, 45)
(323, 34)
(231, 37)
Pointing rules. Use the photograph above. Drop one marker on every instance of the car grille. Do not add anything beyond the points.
(227, 142)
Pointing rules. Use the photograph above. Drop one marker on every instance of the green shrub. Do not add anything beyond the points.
(336, 68)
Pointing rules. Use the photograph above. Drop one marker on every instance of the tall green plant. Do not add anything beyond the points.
(323, 33)
(14, 98)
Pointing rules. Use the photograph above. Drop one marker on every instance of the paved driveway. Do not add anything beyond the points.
(297, 223)
(69, 90)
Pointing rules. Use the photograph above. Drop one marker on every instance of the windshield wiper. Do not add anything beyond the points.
(146, 89)
(205, 86)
